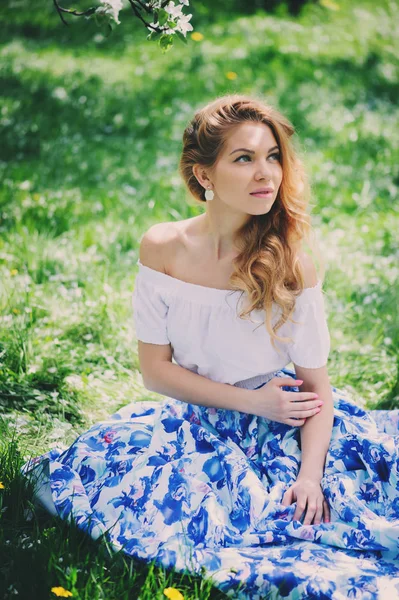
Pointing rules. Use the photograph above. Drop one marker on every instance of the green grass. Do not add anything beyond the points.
(90, 140)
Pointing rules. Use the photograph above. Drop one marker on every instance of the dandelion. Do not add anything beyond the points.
(62, 592)
(197, 36)
(13, 272)
(2, 486)
(173, 594)
(231, 75)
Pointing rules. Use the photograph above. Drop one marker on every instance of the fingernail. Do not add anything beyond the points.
(321, 403)
(299, 381)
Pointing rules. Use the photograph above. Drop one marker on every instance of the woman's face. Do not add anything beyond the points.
(249, 162)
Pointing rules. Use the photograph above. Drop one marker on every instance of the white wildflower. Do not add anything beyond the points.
(74, 382)
(25, 185)
(60, 93)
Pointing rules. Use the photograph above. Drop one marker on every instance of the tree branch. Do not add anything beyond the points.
(60, 10)
(138, 15)
(108, 12)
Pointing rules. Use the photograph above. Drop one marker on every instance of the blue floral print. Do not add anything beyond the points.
(201, 489)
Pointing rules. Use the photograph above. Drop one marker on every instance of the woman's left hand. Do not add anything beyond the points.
(308, 495)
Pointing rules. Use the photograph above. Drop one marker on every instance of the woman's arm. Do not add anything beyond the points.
(306, 491)
(316, 432)
(164, 377)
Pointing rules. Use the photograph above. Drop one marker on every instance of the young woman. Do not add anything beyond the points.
(265, 476)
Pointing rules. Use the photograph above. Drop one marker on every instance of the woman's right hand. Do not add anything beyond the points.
(275, 404)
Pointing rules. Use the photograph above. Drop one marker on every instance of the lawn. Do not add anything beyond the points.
(91, 133)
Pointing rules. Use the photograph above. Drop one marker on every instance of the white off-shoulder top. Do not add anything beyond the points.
(209, 338)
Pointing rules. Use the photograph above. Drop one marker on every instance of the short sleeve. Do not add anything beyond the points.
(149, 310)
(311, 338)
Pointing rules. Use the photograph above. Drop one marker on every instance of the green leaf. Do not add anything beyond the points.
(166, 42)
(181, 36)
(108, 31)
(154, 35)
(163, 16)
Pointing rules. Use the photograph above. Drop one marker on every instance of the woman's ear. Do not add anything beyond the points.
(201, 175)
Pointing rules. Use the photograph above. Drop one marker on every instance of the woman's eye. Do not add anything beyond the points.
(276, 155)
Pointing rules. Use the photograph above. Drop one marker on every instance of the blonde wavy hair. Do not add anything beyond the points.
(268, 266)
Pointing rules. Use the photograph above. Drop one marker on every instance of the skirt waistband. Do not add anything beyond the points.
(254, 382)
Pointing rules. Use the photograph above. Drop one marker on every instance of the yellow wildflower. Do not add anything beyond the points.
(231, 75)
(13, 272)
(173, 594)
(2, 486)
(16, 311)
(60, 591)
(197, 36)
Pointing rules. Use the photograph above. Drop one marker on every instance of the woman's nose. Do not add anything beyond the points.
(264, 172)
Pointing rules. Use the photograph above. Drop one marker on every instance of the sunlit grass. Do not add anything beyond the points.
(91, 134)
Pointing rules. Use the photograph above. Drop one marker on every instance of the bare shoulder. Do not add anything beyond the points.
(308, 269)
(157, 244)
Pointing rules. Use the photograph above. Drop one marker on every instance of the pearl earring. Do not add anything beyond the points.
(209, 195)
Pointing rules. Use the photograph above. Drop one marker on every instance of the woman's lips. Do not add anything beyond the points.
(263, 194)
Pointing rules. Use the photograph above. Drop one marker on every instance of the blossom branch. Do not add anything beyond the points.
(168, 18)
(72, 11)
(138, 15)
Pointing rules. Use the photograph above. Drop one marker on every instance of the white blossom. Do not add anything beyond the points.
(183, 25)
(175, 12)
(113, 7)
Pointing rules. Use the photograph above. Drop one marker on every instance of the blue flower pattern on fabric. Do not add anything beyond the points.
(198, 488)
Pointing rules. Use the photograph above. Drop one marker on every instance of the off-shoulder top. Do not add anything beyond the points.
(209, 338)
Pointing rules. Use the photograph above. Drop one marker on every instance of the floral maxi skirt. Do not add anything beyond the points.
(200, 489)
